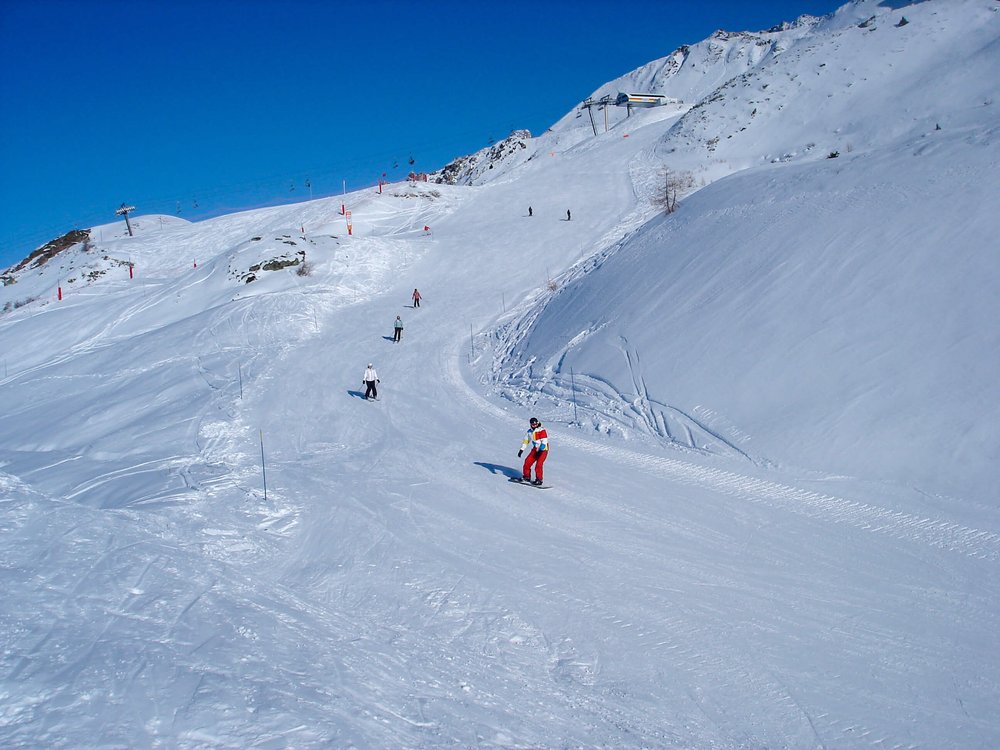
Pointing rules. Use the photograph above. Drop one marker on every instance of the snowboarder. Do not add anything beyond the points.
(397, 330)
(538, 439)
(530, 212)
(416, 298)
(569, 216)
(370, 380)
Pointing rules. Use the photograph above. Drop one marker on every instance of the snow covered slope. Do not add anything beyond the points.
(838, 316)
(773, 413)
(816, 316)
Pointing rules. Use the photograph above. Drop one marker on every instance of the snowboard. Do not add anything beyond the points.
(518, 480)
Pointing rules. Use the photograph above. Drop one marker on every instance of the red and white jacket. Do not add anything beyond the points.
(537, 438)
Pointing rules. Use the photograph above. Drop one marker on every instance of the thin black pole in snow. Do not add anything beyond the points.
(263, 470)
(239, 369)
(572, 380)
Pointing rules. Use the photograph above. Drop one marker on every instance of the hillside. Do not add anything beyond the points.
(772, 519)
(826, 319)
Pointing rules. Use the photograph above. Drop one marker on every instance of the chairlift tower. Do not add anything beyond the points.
(123, 211)
(604, 102)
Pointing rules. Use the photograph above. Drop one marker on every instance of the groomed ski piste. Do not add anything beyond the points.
(773, 517)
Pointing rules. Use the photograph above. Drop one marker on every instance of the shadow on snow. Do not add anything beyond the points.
(506, 471)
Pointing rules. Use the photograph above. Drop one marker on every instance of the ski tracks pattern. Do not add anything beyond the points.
(938, 533)
(935, 532)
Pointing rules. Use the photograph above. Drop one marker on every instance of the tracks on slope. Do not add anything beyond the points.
(930, 531)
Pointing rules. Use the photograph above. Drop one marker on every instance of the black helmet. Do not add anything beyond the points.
(534, 420)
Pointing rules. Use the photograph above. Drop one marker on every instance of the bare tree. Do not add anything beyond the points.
(673, 185)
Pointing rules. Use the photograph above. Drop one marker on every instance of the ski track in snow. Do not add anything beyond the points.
(943, 534)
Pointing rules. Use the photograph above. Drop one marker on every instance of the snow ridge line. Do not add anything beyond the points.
(942, 534)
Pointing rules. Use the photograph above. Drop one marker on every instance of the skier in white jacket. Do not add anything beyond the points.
(370, 380)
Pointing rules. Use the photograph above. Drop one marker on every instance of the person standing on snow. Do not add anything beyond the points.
(416, 298)
(569, 216)
(538, 439)
(397, 330)
(370, 379)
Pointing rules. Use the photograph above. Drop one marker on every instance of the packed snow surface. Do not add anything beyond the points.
(774, 517)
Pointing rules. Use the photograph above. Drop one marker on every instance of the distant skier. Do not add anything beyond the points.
(530, 212)
(370, 380)
(569, 216)
(397, 330)
(416, 298)
(538, 439)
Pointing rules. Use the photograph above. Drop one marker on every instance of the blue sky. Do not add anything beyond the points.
(201, 108)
